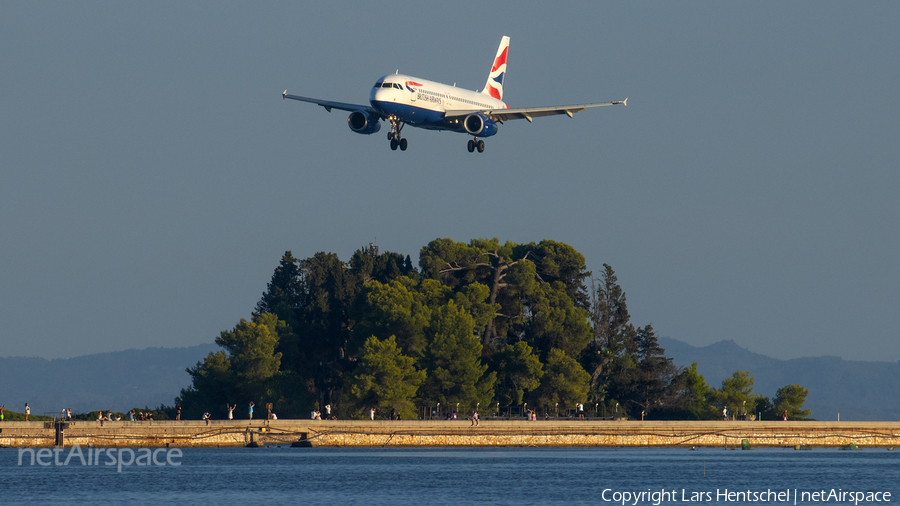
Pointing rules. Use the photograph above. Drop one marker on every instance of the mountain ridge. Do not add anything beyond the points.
(857, 390)
(117, 380)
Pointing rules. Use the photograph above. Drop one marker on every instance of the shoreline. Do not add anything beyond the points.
(458, 433)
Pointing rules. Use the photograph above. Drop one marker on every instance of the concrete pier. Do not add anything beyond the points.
(355, 433)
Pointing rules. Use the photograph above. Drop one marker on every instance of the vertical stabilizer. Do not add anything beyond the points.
(494, 86)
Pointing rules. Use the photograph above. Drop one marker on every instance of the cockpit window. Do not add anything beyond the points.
(397, 85)
(378, 84)
(386, 85)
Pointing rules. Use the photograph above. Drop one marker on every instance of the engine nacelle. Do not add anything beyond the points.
(362, 122)
(480, 125)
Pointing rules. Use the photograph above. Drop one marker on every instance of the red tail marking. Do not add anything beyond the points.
(501, 60)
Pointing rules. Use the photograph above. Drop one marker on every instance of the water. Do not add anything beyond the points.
(498, 476)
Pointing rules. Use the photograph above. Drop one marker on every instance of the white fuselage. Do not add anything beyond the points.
(423, 103)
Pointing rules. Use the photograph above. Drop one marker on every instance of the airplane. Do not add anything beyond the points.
(405, 100)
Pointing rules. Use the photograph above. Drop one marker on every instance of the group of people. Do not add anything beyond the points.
(784, 415)
(27, 412)
(108, 417)
(139, 416)
(317, 415)
(271, 416)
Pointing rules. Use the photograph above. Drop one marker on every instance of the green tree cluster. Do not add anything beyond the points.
(478, 325)
(737, 397)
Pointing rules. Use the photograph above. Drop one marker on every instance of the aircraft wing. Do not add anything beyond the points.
(530, 113)
(329, 105)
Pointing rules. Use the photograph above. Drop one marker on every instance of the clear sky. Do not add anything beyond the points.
(152, 176)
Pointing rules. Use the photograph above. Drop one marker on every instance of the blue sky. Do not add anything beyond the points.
(153, 177)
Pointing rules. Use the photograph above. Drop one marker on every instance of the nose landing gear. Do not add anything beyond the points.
(475, 143)
(394, 135)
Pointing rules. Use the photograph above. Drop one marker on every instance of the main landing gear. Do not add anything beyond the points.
(394, 135)
(475, 143)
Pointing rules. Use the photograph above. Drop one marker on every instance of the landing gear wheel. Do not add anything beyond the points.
(481, 146)
(390, 136)
(403, 144)
(471, 146)
(394, 144)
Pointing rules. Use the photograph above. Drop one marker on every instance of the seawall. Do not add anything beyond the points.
(355, 433)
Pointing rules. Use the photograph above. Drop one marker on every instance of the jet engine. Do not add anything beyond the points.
(362, 122)
(479, 125)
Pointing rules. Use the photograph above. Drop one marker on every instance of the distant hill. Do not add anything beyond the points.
(118, 381)
(857, 390)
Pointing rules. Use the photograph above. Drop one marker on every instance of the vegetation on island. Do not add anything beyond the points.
(481, 325)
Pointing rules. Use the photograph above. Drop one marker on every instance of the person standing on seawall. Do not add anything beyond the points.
(231, 411)
(27, 411)
(2, 408)
(724, 413)
(371, 413)
(250, 407)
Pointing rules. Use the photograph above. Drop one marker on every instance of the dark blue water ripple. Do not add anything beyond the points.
(500, 476)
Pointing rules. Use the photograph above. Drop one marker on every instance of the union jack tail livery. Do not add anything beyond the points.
(494, 86)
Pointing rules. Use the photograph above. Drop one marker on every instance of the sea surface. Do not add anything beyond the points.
(437, 476)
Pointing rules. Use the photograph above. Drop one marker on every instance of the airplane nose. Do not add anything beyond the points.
(380, 95)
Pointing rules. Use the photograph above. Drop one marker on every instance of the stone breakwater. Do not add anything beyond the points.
(355, 433)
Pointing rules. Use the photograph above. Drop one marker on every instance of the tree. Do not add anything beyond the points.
(384, 379)
(251, 351)
(328, 289)
(553, 321)
(560, 262)
(694, 394)
(735, 394)
(456, 373)
(367, 264)
(565, 382)
(282, 295)
(763, 407)
(403, 307)
(518, 370)
(212, 386)
(791, 398)
(246, 368)
(608, 356)
(656, 378)
(484, 261)
(398, 308)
